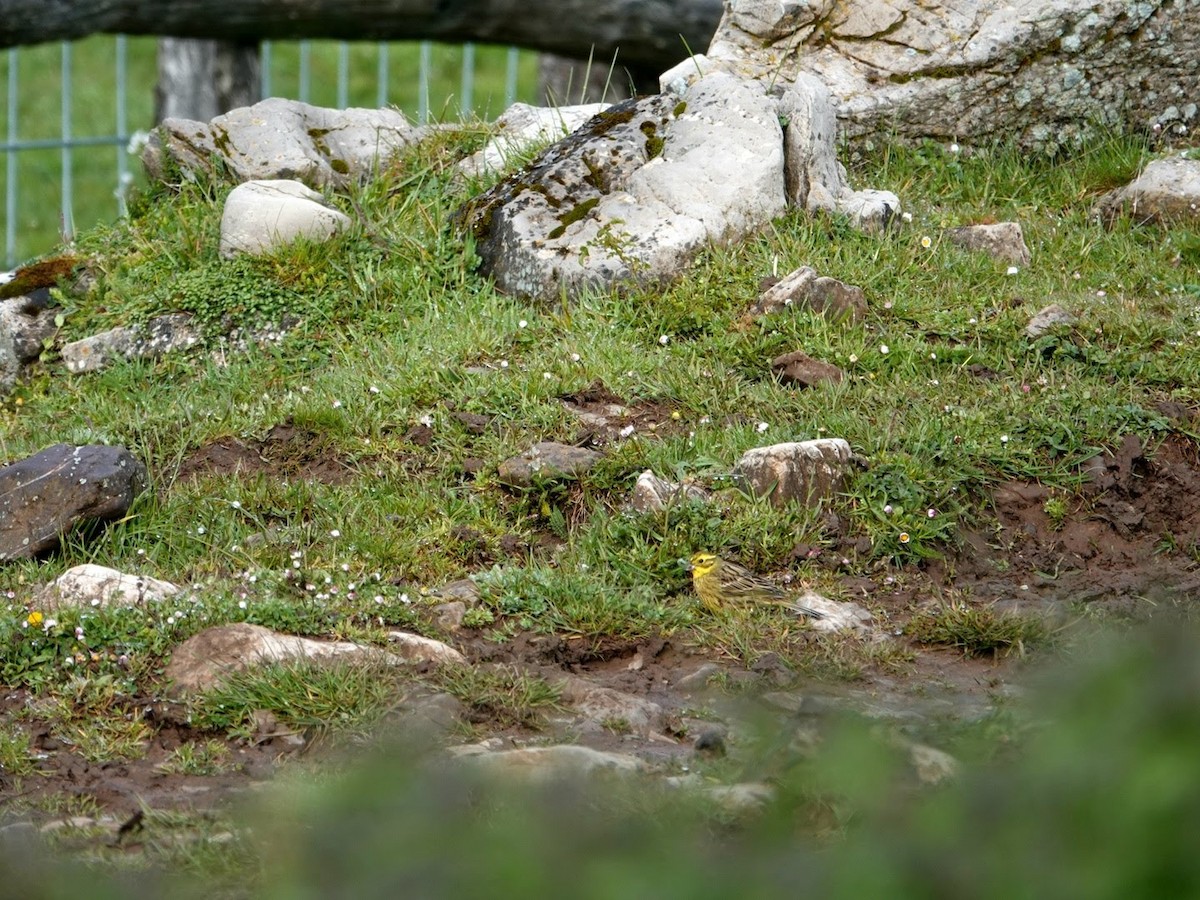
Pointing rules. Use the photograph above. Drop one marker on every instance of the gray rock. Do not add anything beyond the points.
(522, 127)
(203, 660)
(463, 589)
(562, 761)
(1004, 241)
(653, 494)
(261, 216)
(803, 472)
(805, 289)
(91, 586)
(436, 715)
(1049, 319)
(802, 370)
(547, 461)
(698, 680)
(44, 496)
(26, 323)
(449, 616)
(836, 616)
(163, 334)
(1168, 190)
(283, 139)
(414, 648)
(740, 799)
(608, 707)
(635, 194)
(910, 70)
(710, 741)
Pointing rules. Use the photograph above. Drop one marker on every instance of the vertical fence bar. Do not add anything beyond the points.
(510, 76)
(68, 199)
(425, 63)
(305, 69)
(123, 176)
(343, 75)
(467, 103)
(381, 76)
(265, 69)
(10, 166)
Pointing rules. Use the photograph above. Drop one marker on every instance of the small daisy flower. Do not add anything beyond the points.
(1013, 270)
(926, 242)
(904, 537)
(523, 324)
(883, 348)
(1004, 438)
(887, 509)
(334, 533)
(931, 512)
(761, 427)
(664, 339)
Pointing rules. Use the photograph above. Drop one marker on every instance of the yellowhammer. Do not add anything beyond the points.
(721, 584)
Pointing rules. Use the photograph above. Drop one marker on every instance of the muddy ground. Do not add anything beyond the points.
(1129, 543)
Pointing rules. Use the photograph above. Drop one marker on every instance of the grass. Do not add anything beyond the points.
(371, 491)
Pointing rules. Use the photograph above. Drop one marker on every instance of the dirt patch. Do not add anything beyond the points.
(287, 452)
(1133, 532)
(605, 417)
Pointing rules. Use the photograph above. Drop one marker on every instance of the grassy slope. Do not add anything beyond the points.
(399, 330)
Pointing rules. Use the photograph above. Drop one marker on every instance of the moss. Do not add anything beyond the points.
(339, 166)
(654, 142)
(680, 109)
(46, 273)
(220, 139)
(573, 215)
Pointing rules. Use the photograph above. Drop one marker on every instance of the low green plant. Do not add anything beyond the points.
(977, 629)
(500, 695)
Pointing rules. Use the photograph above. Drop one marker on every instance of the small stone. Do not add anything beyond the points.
(88, 585)
(414, 648)
(805, 289)
(547, 461)
(698, 680)
(204, 659)
(710, 741)
(449, 616)
(933, 766)
(462, 589)
(45, 495)
(654, 494)
(609, 707)
(1003, 241)
(261, 216)
(1168, 190)
(562, 761)
(804, 472)
(802, 370)
(740, 799)
(1049, 319)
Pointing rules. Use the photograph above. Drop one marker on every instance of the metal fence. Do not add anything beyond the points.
(69, 146)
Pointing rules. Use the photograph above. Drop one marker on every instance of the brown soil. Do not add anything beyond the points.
(287, 452)
(1129, 541)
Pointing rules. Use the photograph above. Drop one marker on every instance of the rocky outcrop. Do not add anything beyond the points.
(521, 128)
(44, 496)
(282, 139)
(1050, 74)
(635, 194)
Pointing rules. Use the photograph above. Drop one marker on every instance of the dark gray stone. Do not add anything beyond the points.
(44, 496)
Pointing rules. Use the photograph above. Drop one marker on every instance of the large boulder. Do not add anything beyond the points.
(44, 496)
(636, 193)
(1052, 74)
(280, 138)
